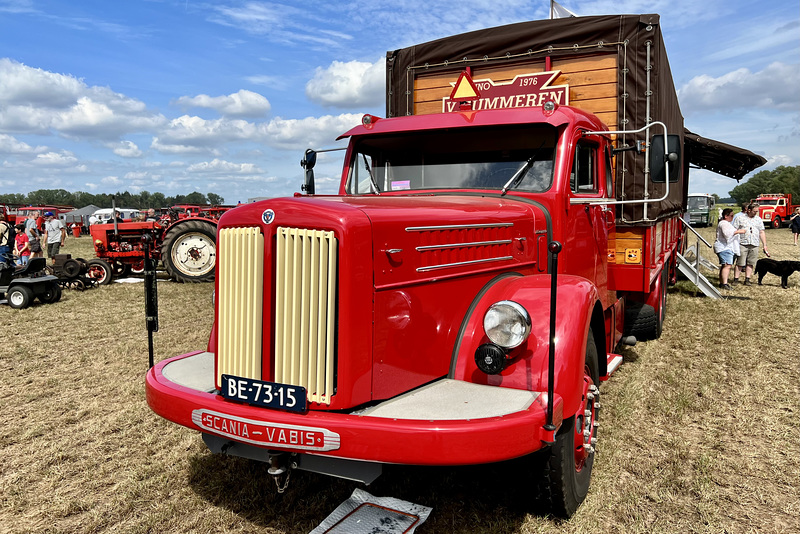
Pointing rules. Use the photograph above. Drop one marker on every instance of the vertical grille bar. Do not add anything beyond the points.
(305, 310)
(240, 270)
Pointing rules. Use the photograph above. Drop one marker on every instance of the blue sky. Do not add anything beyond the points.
(224, 96)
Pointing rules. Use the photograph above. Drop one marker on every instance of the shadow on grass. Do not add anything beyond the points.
(483, 498)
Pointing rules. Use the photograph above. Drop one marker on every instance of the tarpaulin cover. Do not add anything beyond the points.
(727, 160)
(627, 35)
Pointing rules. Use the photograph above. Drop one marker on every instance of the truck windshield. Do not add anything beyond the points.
(767, 201)
(473, 158)
(697, 203)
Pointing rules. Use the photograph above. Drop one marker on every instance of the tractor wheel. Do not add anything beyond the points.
(138, 267)
(568, 462)
(51, 294)
(100, 271)
(776, 222)
(19, 297)
(119, 269)
(189, 251)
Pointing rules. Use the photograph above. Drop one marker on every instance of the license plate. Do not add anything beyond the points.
(262, 393)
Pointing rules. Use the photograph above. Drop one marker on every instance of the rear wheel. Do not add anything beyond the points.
(189, 251)
(51, 294)
(100, 271)
(569, 461)
(19, 297)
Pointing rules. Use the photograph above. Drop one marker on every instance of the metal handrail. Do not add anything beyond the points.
(695, 233)
(697, 252)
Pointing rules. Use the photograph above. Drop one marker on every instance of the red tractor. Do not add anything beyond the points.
(183, 240)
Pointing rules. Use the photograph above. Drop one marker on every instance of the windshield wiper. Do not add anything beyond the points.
(520, 174)
(372, 183)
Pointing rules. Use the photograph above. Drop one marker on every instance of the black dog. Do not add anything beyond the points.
(779, 268)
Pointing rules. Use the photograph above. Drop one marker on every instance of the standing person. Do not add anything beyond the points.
(55, 235)
(7, 236)
(795, 223)
(33, 237)
(750, 239)
(726, 245)
(736, 270)
(21, 245)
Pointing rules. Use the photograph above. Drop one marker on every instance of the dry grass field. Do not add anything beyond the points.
(699, 429)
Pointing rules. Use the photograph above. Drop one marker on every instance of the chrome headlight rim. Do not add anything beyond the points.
(507, 324)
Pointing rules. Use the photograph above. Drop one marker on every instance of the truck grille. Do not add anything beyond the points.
(305, 310)
(240, 270)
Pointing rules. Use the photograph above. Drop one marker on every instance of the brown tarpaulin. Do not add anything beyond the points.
(727, 160)
(627, 35)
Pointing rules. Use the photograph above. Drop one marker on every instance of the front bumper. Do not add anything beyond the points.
(447, 422)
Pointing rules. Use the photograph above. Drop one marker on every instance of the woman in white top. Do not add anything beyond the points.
(725, 246)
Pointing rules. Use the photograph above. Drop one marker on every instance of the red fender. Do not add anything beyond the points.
(576, 297)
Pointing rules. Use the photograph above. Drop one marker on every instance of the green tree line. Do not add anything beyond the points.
(80, 199)
(783, 179)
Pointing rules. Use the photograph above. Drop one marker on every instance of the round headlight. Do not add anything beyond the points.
(507, 324)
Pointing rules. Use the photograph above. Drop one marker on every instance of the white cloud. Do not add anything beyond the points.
(354, 84)
(241, 104)
(126, 149)
(112, 180)
(55, 159)
(221, 166)
(299, 134)
(10, 145)
(33, 100)
(743, 89)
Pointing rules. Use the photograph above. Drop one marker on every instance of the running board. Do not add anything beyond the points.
(694, 276)
(612, 364)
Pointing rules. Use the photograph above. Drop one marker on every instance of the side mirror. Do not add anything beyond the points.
(308, 162)
(659, 156)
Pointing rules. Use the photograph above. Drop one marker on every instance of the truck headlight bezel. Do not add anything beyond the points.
(507, 324)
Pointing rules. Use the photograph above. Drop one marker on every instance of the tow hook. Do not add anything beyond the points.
(280, 470)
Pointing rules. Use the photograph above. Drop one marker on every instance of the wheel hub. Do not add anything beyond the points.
(586, 423)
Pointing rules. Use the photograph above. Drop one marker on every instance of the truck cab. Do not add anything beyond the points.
(702, 209)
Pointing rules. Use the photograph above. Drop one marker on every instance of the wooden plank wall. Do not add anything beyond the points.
(592, 83)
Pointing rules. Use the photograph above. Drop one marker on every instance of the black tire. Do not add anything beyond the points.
(52, 294)
(641, 320)
(189, 252)
(569, 461)
(100, 271)
(662, 300)
(19, 297)
(776, 222)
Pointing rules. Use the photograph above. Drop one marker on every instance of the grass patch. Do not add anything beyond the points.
(698, 429)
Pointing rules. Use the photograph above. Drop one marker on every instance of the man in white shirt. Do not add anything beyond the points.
(55, 235)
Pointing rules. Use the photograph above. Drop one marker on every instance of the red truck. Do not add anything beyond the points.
(775, 209)
(513, 220)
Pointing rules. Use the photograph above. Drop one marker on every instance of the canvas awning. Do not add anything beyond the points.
(721, 158)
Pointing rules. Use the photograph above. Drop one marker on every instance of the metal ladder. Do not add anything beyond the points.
(691, 270)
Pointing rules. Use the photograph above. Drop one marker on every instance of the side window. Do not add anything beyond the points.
(609, 175)
(584, 170)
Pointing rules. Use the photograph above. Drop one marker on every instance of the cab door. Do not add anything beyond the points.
(589, 219)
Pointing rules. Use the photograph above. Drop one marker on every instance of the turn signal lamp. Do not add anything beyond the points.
(549, 108)
(507, 324)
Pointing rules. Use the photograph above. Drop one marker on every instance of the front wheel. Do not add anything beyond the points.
(189, 251)
(20, 297)
(99, 271)
(776, 222)
(569, 461)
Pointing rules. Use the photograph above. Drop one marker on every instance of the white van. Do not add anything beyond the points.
(103, 216)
